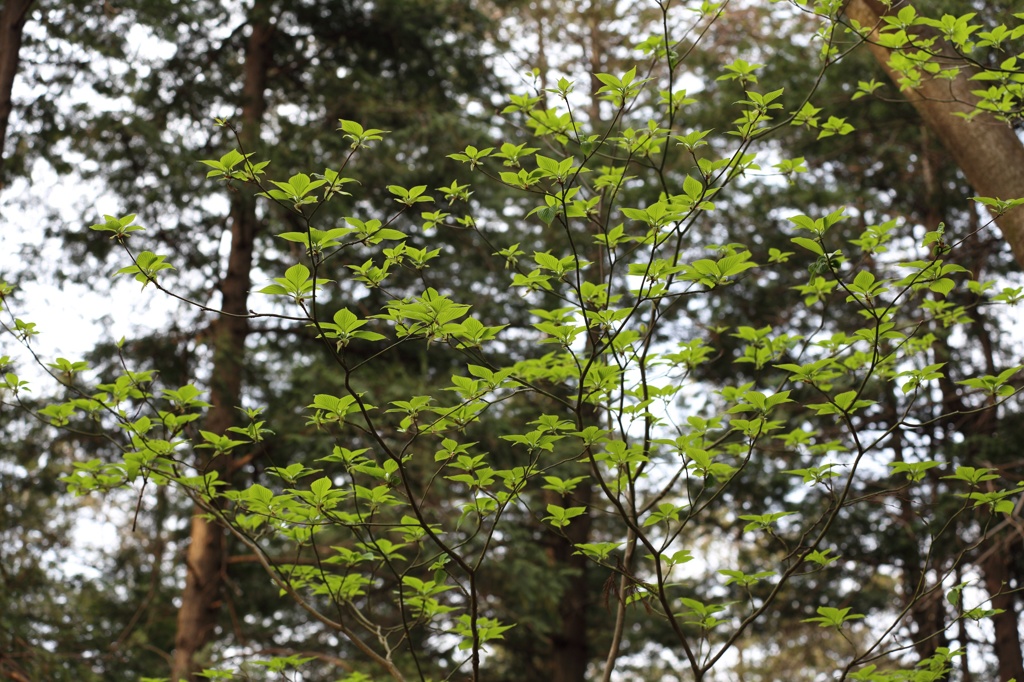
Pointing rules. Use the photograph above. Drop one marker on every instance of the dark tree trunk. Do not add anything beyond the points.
(569, 644)
(205, 561)
(12, 24)
(989, 153)
(999, 552)
(996, 567)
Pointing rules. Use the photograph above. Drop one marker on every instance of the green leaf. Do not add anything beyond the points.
(810, 245)
(830, 617)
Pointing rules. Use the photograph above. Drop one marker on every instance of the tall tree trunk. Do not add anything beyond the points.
(988, 152)
(998, 554)
(12, 24)
(927, 612)
(571, 642)
(996, 567)
(205, 561)
(570, 651)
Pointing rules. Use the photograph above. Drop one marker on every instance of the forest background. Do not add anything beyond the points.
(646, 459)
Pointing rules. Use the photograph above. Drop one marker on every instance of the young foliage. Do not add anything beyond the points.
(618, 449)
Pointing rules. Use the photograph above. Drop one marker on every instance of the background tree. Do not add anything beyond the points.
(868, 169)
(948, 105)
(12, 23)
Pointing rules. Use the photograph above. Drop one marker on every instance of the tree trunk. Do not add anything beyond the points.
(926, 605)
(205, 561)
(999, 552)
(569, 644)
(996, 562)
(988, 152)
(12, 24)
(996, 567)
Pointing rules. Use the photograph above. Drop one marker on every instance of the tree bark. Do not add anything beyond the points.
(570, 651)
(996, 567)
(988, 152)
(12, 25)
(996, 562)
(926, 612)
(205, 560)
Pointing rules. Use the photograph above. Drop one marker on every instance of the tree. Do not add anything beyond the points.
(868, 170)
(385, 538)
(205, 562)
(202, 71)
(49, 48)
(963, 115)
(12, 23)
